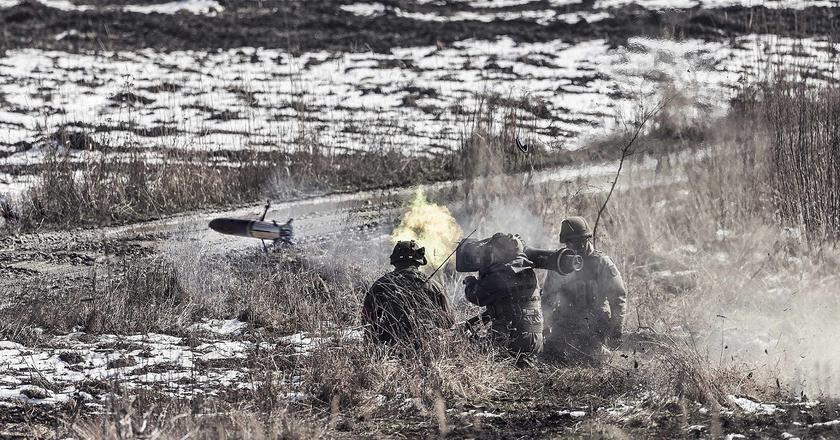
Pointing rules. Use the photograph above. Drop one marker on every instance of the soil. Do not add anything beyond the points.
(323, 25)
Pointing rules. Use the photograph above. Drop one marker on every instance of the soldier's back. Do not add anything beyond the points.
(404, 301)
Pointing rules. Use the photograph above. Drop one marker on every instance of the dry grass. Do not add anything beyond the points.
(103, 188)
(708, 268)
(282, 293)
(804, 130)
(722, 284)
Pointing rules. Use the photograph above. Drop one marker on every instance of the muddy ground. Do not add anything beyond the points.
(323, 25)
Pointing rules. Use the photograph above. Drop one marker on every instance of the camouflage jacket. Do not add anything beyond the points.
(594, 295)
(403, 302)
(511, 294)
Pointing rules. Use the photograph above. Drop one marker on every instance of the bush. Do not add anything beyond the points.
(803, 122)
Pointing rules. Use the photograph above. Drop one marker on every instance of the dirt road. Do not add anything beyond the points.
(67, 257)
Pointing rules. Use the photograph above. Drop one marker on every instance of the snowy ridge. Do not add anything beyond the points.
(198, 7)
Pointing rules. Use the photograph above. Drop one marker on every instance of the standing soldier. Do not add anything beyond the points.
(584, 310)
(403, 304)
(507, 286)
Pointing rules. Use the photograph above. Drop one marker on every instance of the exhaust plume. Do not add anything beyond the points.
(430, 225)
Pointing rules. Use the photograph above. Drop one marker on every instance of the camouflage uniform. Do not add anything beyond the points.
(584, 310)
(508, 288)
(403, 304)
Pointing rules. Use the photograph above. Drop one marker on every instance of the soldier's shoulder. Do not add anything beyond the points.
(411, 273)
(607, 263)
(600, 256)
(384, 279)
(389, 277)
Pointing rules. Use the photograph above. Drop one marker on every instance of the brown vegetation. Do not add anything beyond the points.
(695, 235)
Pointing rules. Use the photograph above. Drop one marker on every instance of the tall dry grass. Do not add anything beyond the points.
(342, 381)
(804, 129)
(728, 247)
(728, 271)
(102, 188)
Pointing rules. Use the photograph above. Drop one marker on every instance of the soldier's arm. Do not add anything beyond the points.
(480, 292)
(616, 296)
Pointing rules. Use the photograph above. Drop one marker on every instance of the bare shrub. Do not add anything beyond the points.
(803, 121)
(105, 188)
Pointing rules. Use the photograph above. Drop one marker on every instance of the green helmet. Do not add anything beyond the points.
(574, 228)
(408, 251)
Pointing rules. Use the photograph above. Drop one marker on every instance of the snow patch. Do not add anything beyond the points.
(575, 414)
(829, 424)
(64, 5)
(221, 326)
(69, 33)
(145, 360)
(482, 414)
(197, 7)
(686, 4)
(364, 9)
(753, 407)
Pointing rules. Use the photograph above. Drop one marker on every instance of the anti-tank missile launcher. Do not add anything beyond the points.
(472, 255)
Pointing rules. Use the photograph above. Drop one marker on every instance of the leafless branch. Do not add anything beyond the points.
(626, 152)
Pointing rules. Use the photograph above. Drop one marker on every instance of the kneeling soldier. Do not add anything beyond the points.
(403, 303)
(508, 287)
(585, 309)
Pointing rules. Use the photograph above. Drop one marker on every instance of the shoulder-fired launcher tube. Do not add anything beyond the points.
(472, 255)
(563, 260)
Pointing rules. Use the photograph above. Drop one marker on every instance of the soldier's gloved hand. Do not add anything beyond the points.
(470, 280)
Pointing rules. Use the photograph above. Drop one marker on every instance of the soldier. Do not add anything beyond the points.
(507, 286)
(402, 304)
(584, 310)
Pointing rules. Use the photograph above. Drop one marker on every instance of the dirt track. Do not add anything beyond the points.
(70, 258)
(68, 255)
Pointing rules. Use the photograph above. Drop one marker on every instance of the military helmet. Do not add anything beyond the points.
(574, 228)
(408, 251)
(506, 246)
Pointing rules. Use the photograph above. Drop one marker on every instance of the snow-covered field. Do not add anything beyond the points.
(488, 10)
(418, 99)
(413, 99)
(76, 365)
(205, 7)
